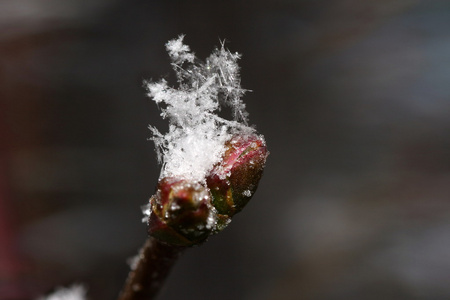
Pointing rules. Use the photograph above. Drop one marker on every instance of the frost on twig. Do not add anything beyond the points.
(196, 137)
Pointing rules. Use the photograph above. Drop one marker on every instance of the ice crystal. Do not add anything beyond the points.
(75, 292)
(196, 137)
(146, 211)
(247, 193)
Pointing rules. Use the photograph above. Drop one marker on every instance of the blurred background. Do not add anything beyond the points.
(352, 96)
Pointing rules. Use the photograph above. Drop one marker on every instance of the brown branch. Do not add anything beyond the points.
(154, 262)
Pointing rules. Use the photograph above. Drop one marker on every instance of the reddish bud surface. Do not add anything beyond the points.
(235, 179)
(181, 213)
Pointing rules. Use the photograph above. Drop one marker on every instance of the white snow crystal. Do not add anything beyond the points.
(178, 51)
(75, 292)
(196, 137)
(134, 261)
(146, 211)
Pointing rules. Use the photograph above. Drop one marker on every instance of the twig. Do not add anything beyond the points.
(154, 262)
(211, 166)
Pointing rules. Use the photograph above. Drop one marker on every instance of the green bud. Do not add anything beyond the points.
(181, 213)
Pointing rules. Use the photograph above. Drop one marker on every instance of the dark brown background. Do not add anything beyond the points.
(352, 96)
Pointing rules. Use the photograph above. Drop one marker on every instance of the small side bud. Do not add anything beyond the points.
(235, 179)
(181, 213)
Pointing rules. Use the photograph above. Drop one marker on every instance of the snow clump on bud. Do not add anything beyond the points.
(211, 166)
(196, 138)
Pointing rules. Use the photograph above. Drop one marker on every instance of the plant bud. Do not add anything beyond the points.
(181, 213)
(234, 180)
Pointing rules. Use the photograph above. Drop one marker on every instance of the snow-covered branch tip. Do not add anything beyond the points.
(211, 166)
(196, 138)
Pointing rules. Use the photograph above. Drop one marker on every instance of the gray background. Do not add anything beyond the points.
(352, 96)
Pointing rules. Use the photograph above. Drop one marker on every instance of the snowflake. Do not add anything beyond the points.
(196, 137)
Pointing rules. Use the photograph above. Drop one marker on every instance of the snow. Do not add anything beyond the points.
(196, 137)
(247, 193)
(178, 51)
(75, 292)
(146, 211)
(134, 261)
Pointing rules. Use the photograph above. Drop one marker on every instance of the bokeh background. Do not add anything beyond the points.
(352, 96)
